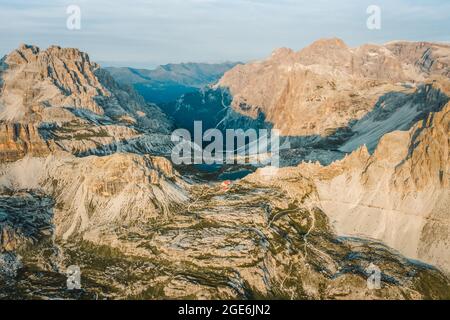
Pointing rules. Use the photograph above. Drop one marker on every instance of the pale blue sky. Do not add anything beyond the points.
(146, 33)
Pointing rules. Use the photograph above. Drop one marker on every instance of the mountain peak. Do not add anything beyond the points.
(66, 78)
(328, 43)
(329, 77)
(44, 86)
(26, 53)
(282, 52)
(26, 47)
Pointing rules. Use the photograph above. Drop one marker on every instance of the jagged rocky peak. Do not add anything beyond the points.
(79, 179)
(23, 54)
(36, 80)
(328, 84)
(65, 98)
(329, 43)
(44, 86)
(283, 54)
(369, 61)
(430, 58)
(398, 195)
(325, 51)
(29, 53)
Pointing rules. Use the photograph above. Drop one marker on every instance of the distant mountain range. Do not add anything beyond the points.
(167, 82)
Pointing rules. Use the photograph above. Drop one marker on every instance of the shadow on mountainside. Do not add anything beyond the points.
(393, 111)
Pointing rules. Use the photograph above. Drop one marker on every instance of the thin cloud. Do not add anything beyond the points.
(147, 33)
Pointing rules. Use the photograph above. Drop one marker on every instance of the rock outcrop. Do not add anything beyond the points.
(326, 85)
(83, 182)
(36, 82)
(254, 240)
(74, 104)
(18, 140)
(398, 195)
(99, 192)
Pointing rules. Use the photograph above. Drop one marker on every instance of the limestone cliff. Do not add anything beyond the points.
(75, 104)
(96, 193)
(398, 195)
(326, 85)
(18, 140)
(82, 181)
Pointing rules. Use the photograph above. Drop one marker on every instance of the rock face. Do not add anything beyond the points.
(34, 80)
(83, 182)
(24, 218)
(57, 103)
(73, 160)
(254, 240)
(298, 91)
(39, 86)
(398, 195)
(62, 92)
(99, 192)
(327, 99)
(428, 58)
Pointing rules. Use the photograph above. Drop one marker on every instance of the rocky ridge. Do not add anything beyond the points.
(87, 188)
(62, 92)
(297, 91)
(398, 195)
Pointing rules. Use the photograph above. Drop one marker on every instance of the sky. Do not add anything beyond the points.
(144, 34)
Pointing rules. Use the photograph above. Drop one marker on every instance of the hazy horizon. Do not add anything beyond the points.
(145, 34)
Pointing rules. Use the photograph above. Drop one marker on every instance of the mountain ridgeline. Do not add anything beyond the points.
(168, 82)
(327, 99)
(86, 178)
